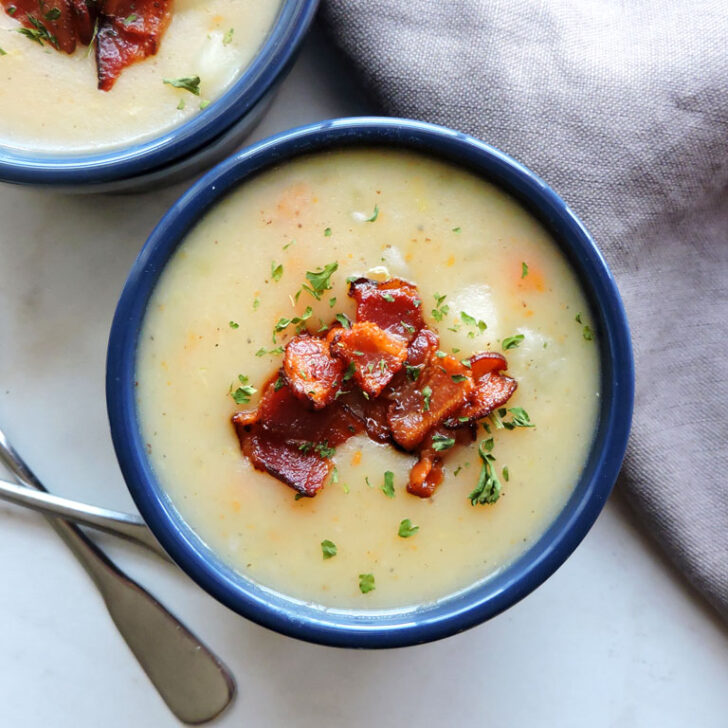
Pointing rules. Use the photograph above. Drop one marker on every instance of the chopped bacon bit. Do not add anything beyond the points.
(57, 17)
(413, 412)
(376, 355)
(418, 398)
(491, 392)
(425, 476)
(423, 346)
(121, 42)
(128, 30)
(285, 438)
(391, 304)
(487, 361)
(313, 374)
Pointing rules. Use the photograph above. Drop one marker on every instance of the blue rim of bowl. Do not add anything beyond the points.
(269, 65)
(408, 626)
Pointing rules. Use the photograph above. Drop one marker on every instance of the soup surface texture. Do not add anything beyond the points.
(377, 213)
(50, 101)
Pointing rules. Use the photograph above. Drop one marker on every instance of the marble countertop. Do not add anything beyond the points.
(614, 638)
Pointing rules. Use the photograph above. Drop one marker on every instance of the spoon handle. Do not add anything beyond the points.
(194, 684)
(116, 523)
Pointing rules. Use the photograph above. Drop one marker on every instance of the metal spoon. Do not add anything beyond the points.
(116, 523)
(193, 683)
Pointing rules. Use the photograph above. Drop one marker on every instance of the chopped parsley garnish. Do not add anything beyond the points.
(520, 419)
(577, 318)
(328, 549)
(506, 474)
(323, 449)
(181, 105)
(284, 323)
(332, 302)
(374, 215)
(457, 470)
(406, 529)
(465, 363)
(587, 333)
(233, 325)
(440, 354)
(456, 229)
(388, 297)
(489, 487)
(366, 583)
(276, 271)
(469, 320)
(366, 480)
(320, 280)
(472, 321)
(441, 442)
(256, 303)
(243, 393)
(189, 83)
(388, 487)
(128, 20)
(204, 104)
(457, 378)
(227, 39)
(263, 351)
(327, 232)
(441, 309)
(349, 373)
(426, 395)
(524, 270)
(511, 342)
(413, 372)
(288, 245)
(407, 327)
(2, 52)
(344, 320)
(280, 383)
(38, 33)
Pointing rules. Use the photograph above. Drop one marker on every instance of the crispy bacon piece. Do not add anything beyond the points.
(312, 373)
(394, 305)
(290, 441)
(491, 392)
(401, 390)
(443, 387)
(376, 354)
(129, 31)
(54, 21)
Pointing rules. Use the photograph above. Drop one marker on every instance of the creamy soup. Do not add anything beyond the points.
(377, 213)
(50, 101)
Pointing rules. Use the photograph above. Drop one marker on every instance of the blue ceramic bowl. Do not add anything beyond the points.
(186, 149)
(483, 600)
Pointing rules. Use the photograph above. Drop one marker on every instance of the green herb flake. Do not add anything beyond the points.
(233, 325)
(344, 320)
(349, 373)
(489, 487)
(3, 53)
(388, 297)
(328, 549)
(441, 442)
(244, 392)
(366, 583)
(181, 105)
(288, 245)
(577, 318)
(276, 270)
(388, 487)
(320, 280)
(406, 529)
(587, 333)
(189, 83)
(519, 418)
(506, 474)
(280, 383)
(204, 104)
(413, 372)
(456, 229)
(327, 232)
(227, 39)
(524, 270)
(366, 480)
(457, 378)
(511, 342)
(256, 304)
(128, 20)
(426, 395)
(332, 302)
(467, 318)
(457, 470)
(407, 327)
(374, 215)
(323, 449)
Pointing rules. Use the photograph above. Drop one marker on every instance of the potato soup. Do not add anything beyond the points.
(50, 101)
(490, 278)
